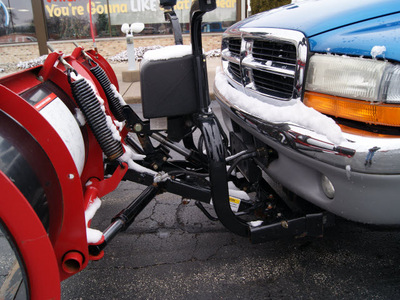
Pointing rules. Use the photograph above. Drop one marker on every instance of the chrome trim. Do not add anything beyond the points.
(250, 63)
(247, 62)
(230, 57)
(358, 153)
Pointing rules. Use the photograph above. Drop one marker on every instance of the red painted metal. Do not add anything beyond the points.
(98, 189)
(72, 262)
(21, 81)
(72, 235)
(31, 239)
(106, 186)
(68, 244)
(47, 68)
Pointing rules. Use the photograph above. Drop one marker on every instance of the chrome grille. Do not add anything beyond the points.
(234, 46)
(267, 62)
(274, 51)
(235, 71)
(272, 84)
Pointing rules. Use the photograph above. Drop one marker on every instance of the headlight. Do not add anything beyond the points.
(358, 89)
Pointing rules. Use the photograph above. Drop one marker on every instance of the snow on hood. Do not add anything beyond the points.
(297, 114)
(378, 50)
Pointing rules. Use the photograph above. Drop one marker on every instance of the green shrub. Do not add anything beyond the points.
(263, 5)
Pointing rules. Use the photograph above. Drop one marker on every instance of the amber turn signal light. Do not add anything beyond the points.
(356, 110)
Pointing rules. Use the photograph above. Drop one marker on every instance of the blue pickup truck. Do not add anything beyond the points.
(316, 86)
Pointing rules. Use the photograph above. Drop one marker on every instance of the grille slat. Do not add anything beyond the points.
(276, 58)
(235, 70)
(276, 85)
(234, 46)
(274, 81)
(275, 51)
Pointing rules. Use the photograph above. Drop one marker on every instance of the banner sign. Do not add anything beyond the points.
(130, 11)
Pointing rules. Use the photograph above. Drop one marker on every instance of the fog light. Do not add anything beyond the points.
(327, 187)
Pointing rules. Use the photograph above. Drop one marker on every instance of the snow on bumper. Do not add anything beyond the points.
(364, 171)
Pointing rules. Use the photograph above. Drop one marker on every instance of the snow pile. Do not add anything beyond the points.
(129, 156)
(169, 52)
(176, 51)
(31, 63)
(119, 125)
(255, 223)
(93, 236)
(120, 57)
(213, 53)
(296, 113)
(378, 50)
(117, 95)
(139, 52)
(80, 117)
(114, 131)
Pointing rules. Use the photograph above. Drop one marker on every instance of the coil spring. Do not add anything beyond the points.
(90, 107)
(105, 83)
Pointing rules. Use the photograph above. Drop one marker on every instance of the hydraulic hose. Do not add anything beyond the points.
(96, 118)
(239, 159)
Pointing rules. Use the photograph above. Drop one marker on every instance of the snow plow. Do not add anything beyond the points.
(67, 138)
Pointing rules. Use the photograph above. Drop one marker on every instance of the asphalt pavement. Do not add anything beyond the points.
(172, 251)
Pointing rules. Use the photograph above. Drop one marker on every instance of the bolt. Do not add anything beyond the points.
(285, 224)
(138, 127)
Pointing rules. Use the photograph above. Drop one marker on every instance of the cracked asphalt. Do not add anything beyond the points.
(172, 251)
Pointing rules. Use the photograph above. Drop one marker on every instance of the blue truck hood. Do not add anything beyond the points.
(351, 27)
(316, 16)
